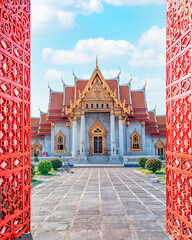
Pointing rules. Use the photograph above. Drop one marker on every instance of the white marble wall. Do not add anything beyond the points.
(68, 138)
(147, 141)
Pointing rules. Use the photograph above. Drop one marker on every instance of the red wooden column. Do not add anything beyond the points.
(179, 135)
(14, 118)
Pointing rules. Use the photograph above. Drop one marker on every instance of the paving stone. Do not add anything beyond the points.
(50, 235)
(106, 204)
(85, 235)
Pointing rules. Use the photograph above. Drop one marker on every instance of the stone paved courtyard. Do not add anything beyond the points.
(99, 203)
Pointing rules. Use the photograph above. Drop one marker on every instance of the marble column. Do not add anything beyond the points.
(52, 137)
(112, 130)
(82, 141)
(74, 140)
(143, 143)
(121, 138)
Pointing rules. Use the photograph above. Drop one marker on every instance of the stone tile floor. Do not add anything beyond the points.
(99, 203)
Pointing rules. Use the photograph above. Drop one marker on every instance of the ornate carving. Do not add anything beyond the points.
(68, 125)
(160, 147)
(36, 148)
(52, 125)
(97, 89)
(135, 142)
(179, 145)
(60, 143)
(98, 130)
(14, 118)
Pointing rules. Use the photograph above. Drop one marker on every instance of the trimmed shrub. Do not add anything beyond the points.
(32, 170)
(44, 166)
(141, 161)
(56, 163)
(36, 159)
(153, 165)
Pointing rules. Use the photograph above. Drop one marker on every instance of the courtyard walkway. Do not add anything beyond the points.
(99, 203)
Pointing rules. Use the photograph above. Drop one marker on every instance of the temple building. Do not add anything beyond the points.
(98, 120)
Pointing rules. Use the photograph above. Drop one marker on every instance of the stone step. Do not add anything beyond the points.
(98, 159)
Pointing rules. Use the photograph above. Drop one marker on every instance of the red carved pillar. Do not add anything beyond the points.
(14, 118)
(179, 98)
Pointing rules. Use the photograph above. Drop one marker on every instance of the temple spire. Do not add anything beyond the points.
(145, 84)
(131, 79)
(96, 61)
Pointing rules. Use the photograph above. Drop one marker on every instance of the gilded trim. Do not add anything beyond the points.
(36, 146)
(102, 133)
(139, 142)
(60, 134)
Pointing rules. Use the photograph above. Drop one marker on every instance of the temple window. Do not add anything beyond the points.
(136, 142)
(91, 105)
(36, 149)
(102, 105)
(160, 148)
(107, 105)
(60, 142)
(87, 106)
(97, 105)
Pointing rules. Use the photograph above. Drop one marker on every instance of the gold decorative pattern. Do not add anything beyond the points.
(52, 125)
(68, 125)
(135, 142)
(160, 145)
(96, 90)
(60, 142)
(36, 147)
(102, 133)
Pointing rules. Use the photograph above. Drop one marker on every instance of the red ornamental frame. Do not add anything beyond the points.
(15, 189)
(179, 129)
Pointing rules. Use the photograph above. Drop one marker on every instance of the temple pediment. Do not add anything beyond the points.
(97, 90)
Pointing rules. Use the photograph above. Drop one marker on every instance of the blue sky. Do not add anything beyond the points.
(68, 34)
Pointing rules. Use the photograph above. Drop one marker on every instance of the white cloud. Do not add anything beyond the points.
(155, 37)
(151, 48)
(60, 14)
(67, 19)
(85, 51)
(134, 2)
(53, 74)
(150, 51)
(51, 15)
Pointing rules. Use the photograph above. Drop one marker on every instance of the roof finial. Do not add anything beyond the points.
(130, 79)
(49, 86)
(155, 107)
(75, 78)
(96, 61)
(119, 72)
(145, 84)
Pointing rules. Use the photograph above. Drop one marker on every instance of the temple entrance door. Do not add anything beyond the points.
(98, 145)
(97, 136)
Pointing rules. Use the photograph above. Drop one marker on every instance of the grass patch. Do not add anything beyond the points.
(51, 173)
(162, 179)
(146, 171)
(34, 181)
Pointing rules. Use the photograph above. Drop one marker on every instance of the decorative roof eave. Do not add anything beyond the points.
(69, 111)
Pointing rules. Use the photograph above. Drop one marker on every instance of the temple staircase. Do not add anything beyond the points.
(98, 159)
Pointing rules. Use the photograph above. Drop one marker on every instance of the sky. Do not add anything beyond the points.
(66, 36)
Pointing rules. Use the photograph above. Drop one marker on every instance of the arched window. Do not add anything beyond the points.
(136, 142)
(60, 142)
(36, 149)
(160, 148)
